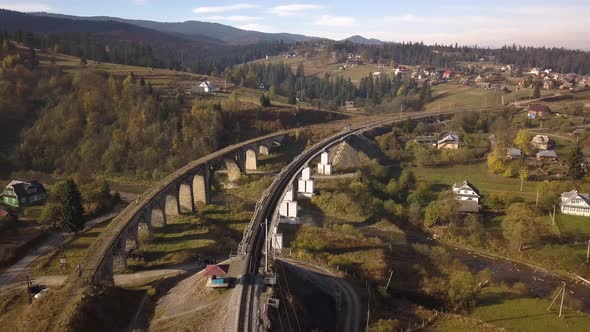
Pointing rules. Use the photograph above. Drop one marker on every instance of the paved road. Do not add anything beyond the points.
(19, 270)
(349, 307)
(121, 280)
(334, 177)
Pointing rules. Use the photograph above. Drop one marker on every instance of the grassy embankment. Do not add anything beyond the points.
(553, 255)
(505, 308)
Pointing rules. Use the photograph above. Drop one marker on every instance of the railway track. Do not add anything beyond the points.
(267, 210)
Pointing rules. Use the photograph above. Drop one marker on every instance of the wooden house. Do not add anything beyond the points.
(20, 193)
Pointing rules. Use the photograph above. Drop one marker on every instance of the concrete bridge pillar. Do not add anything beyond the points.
(119, 256)
(233, 169)
(251, 159)
(185, 197)
(202, 187)
(305, 183)
(104, 273)
(172, 207)
(144, 232)
(324, 167)
(264, 150)
(288, 208)
(131, 239)
(158, 217)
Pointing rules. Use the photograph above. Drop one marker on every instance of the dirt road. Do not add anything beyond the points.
(19, 270)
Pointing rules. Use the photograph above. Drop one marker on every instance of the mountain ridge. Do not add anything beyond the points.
(358, 39)
(225, 33)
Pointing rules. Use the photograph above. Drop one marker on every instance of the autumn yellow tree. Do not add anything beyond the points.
(522, 141)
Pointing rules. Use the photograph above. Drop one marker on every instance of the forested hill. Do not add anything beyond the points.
(199, 30)
(124, 43)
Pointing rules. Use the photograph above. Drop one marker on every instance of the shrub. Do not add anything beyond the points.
(385, 325)
(521, 288)
(485, 275)
(151, 292)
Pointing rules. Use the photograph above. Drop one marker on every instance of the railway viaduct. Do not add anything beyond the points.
(179, 192)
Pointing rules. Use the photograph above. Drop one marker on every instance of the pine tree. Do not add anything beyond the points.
(574, 161)
(537, 90)
(72, 212)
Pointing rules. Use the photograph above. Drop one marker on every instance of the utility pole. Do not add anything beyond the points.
(588, 253)
(266, 245)
(562, 296)
(29, 289)
(553, 214)
(537, 200)
(368, 310)
(391, 274)
(562, 293)
(401, 111)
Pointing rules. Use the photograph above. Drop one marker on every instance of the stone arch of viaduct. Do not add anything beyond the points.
(180, 192)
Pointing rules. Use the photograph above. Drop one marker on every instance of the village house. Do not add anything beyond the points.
(20, 193)
(541, 142)
(538, 110)
(217, 276)
(535, 71)
(547, 155)
(467, 195)
(448, 74)
(349, 105)
(575, 203)
(548, 85)
(450, 141)
(426, 140)
(566, 86)
(513, 153)
(204, 87)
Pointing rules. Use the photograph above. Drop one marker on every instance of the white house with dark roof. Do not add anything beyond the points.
(541, 142)
(575, 203)
(450, 141)
(204, 87)
(467, 195)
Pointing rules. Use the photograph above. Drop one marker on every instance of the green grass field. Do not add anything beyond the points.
(479, 175)
(74, 252)
(456, 324)
(450, 96)
(573, 225)
(505, 308)
(215, 231)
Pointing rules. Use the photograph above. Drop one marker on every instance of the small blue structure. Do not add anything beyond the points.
(218, 276)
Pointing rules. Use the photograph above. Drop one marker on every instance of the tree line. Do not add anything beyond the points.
(330, 91)
(446, 56)
(177, 54)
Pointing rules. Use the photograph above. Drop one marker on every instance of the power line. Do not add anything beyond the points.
(284, 304)
(290, 295)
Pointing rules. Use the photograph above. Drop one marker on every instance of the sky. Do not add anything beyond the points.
(484, 23)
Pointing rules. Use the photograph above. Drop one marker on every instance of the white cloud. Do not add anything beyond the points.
(222, 9)
(294, 9)
(335, 21)
(25, 6)
(233, 18)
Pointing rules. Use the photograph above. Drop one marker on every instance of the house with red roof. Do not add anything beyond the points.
(217, 275)
(448, 74)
